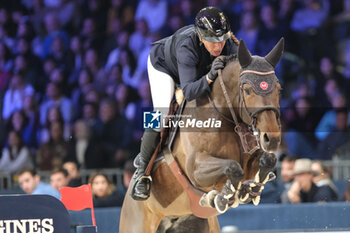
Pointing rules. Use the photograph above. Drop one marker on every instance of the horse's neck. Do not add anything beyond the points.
(230, 79)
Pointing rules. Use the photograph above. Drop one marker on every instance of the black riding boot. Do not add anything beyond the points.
(142, 186)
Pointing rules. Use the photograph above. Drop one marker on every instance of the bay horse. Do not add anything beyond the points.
(215, 162)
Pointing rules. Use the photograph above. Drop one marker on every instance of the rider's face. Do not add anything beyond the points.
(214, 48)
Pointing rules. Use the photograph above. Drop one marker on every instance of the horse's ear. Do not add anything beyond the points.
(275, 54)
(244, 56)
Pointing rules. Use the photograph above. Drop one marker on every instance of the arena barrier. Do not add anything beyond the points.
(310, 216)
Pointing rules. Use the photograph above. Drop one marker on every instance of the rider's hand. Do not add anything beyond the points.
(215, 66)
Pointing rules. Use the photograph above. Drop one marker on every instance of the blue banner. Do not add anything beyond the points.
(34, 214)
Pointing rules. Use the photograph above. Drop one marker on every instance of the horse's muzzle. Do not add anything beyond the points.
(270, 141)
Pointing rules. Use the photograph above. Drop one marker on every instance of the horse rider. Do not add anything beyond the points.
(187, 59)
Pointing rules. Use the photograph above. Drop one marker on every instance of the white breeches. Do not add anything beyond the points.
(162, 88)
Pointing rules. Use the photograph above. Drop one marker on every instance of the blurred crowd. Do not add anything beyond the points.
(73, 74)
(304, 180)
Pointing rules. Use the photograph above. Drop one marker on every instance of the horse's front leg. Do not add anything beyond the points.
(208, 171)
(267, 163)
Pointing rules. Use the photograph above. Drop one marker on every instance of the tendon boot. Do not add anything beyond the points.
(142, 185)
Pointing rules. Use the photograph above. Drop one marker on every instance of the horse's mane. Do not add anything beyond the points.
(230, 58)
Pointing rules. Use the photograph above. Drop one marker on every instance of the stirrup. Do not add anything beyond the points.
(142, 196)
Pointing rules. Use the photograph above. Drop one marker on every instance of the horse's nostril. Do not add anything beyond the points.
(266, 138)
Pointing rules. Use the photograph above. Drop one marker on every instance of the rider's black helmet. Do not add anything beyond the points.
(212, 25)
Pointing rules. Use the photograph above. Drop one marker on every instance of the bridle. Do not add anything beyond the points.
(252, 116)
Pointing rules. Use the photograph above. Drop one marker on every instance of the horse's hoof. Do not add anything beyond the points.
(244, 198)
(207, 200)
(220, 204)
(256, 200)
(235, 204)
(257, 177)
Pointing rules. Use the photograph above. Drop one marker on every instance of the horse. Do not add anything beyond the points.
(219, 162)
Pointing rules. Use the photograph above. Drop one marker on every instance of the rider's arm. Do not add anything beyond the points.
(192, 87)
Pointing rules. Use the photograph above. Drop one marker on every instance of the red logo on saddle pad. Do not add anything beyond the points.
(264, 85)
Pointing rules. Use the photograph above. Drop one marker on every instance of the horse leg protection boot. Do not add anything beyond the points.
(142, 186)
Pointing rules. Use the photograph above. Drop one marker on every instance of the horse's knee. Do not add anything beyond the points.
(234, 171)
(267, 160)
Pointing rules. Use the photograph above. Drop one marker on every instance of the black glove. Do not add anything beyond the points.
(215, 66)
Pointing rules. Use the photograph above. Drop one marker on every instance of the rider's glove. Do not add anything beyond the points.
(215, 66)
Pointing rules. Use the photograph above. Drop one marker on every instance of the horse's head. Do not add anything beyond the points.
(259, 94)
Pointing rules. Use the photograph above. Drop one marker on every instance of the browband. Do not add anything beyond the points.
(257, 72)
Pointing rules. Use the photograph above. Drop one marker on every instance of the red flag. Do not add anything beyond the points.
(78, 198)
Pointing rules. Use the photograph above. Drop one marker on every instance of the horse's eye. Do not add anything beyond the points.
(247, 91)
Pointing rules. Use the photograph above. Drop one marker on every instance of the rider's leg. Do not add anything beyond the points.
(162, 90)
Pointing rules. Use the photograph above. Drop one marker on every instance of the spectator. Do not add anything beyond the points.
(90, 35)
(312, 15)
(287, 177)
(83, 148)
(270, 32)
(15, 156)
(52, 26)
(19, 122)
(300, 137)
(122, 40)
(304, 189)
(53, 115)
(147, 9)
(114, 134)
(52, 153)
(124, 96)
(322, 176)
(75, 58)
(85, 80)
(308, 23)
(90, 115)
(92, 62)
(30, 110)
(327, 77)
(59, 178)
(337, 137)
(139, 39)
(28, 71)
(14, 96)
(49, 64)
(341, 23)
(74, 177)
(328, 120)
(55, 98)
(5, 59)
(127, 60)
(128, 172)
(104, 192)
(249, 31)
(23, 48)
(59, 52)
(30, 183)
